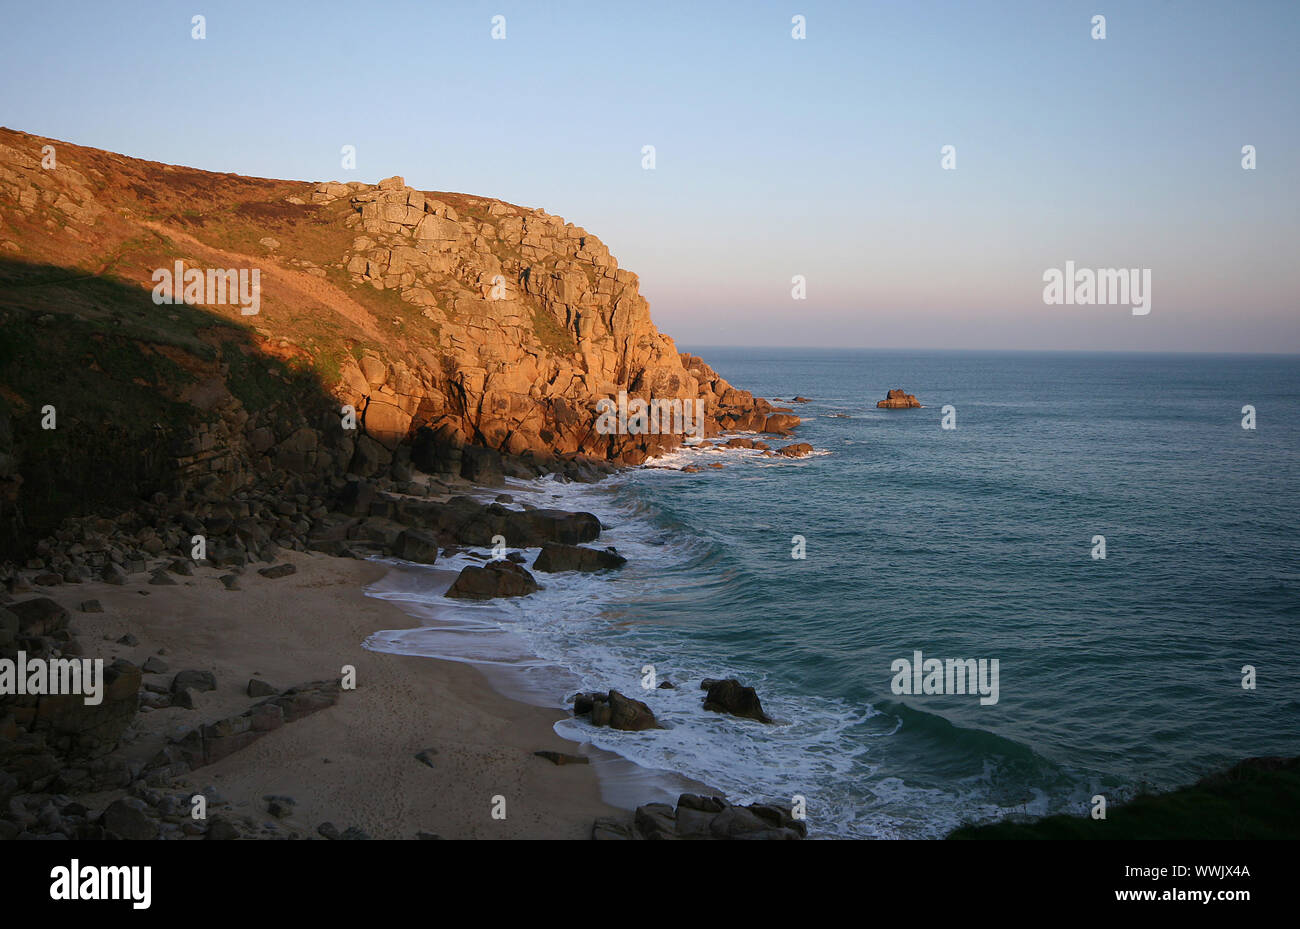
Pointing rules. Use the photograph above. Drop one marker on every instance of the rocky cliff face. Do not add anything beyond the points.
(453, 324)
(534, 322)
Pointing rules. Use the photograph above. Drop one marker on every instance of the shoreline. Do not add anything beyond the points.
(623, 784)
(353, 764)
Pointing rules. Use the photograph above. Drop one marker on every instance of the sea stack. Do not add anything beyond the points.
(896, 399)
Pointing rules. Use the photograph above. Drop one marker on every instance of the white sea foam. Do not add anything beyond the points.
(580, 633)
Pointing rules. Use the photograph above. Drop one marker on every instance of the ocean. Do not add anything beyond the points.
(1115, 675)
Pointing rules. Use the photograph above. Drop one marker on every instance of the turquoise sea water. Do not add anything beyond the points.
(974, 542)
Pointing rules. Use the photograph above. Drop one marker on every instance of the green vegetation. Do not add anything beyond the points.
(551, 335)
(1256, 799)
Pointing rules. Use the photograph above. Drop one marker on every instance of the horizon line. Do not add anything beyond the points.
(1009, 351)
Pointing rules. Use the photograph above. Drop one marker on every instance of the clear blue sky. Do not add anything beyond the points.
(775, 157)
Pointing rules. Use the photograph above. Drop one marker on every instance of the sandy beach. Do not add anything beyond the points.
(353, 764)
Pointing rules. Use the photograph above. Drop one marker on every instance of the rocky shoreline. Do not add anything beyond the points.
(408, 350)
(55, 751)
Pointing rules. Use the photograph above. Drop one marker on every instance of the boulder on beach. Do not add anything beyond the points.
(417, 546)
(704, 818)
(730, 696)
(558, 557)
(616, 711)
(494, 579)
(896, 399)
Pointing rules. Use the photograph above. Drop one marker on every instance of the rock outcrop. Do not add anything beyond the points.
(469, 338)
(495, 579)
(616, 711)
(59, 740)
(897, 399)
(704, 818)
(730, 696)
(556, 557)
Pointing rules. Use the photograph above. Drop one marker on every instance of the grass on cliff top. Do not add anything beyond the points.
(1256, 799)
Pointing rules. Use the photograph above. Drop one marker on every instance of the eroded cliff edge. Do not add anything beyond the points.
(448, 321)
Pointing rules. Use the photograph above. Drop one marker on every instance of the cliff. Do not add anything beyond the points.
(449, 322)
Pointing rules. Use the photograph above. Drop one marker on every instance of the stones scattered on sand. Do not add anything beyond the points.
(221, 830)
(127, 818)
(384, 515)
(153, 700)
(143, 813)
(898, 399)
(730, 696)
(9, 628)
(702, 819)
(192, 748)
(797, 450)
(279, 806)
(556, 557)
(195, 680)
(350, 834)
(616, 711)
(494, 579)
(562, 758)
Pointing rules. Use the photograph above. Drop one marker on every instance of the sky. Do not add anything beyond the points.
(773, 156)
